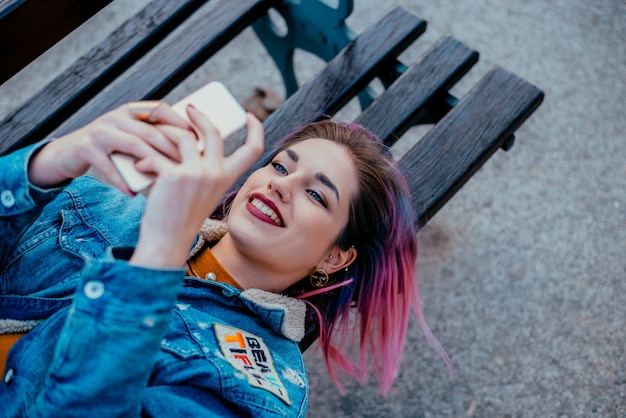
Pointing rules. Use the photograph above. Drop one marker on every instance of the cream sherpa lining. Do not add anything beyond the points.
(14, 326)
(295, 310)
(210, 231)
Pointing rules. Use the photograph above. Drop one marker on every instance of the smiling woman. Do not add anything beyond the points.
(310, 216)
(322, 226)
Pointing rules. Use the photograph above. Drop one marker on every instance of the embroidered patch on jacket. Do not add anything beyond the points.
(248, 353)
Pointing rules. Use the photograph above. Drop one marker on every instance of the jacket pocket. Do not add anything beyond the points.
(79, 238)
(178, 340)
(51, 254)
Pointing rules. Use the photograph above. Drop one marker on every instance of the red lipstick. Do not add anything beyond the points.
(264, 209)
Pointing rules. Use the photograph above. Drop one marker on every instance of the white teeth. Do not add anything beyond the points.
(266, 210)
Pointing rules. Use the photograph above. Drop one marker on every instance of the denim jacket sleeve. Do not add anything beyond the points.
(110, 341)
(111, 337)
(19, 199)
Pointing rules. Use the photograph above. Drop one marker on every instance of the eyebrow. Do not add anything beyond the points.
(323, 178)
(293, 155)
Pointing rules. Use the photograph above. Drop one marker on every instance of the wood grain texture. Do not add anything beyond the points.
(344, 76)
(395, 111)
(92, 72)
(450, 153)
(172, 60)
(29, 28)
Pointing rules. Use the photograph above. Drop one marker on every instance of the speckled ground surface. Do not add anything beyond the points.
(522, 274)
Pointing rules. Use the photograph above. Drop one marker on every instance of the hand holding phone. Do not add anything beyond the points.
(215, 102)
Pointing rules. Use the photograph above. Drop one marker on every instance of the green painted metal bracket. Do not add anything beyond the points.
(311, 25)
(320, 29)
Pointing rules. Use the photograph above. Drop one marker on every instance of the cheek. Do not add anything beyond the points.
(317, 233)
(238, 201)
(304, 251)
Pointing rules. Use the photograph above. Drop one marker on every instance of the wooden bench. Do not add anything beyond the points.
(466, 131)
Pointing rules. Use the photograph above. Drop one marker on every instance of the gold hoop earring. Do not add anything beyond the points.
(319, 278)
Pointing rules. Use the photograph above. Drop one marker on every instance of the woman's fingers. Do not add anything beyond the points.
(157, 165)
(142, 110)
(188, 155)
(165, 114)
(211, 142)
(147, 117)
(110, 138)
(246, 155)
(156, 112)
(174, 136)
(230, 168)
(105, 167)
(211, 171)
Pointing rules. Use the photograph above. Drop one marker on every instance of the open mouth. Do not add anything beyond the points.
(265, 210)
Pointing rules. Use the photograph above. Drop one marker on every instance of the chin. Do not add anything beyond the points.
(248, 232)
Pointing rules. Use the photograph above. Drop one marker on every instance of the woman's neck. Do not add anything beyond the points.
(248, 273)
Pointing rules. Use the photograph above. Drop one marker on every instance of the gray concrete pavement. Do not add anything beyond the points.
(522, 274)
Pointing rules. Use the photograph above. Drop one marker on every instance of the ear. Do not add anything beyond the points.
(337, 259)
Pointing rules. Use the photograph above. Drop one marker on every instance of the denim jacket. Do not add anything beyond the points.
(113, 339)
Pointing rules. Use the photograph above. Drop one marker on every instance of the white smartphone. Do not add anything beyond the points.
(215, 102)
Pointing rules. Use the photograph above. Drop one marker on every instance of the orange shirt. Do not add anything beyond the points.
(205, 266)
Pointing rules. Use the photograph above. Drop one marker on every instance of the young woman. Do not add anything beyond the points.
(98, 277)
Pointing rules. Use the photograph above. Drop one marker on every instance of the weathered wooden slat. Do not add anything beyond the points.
(92, 72)
(344, 76)
(170, 62)
(449, 154)
(396, 110)
(29, 28)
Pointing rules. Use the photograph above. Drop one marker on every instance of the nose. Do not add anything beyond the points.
(281, 187)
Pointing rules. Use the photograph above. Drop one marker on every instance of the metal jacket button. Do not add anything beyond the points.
(94, 289)
(7, 198)
(9, 376)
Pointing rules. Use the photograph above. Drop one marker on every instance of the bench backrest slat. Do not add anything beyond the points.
(29, 28)
(453, 150)
(395, 111)
(171, 61)
(92, 72)
(347, 74)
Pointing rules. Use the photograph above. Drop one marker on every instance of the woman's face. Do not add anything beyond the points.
(289, 213)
